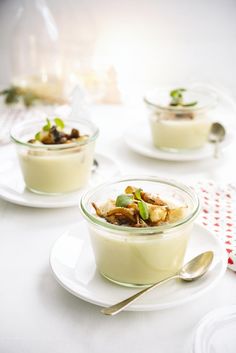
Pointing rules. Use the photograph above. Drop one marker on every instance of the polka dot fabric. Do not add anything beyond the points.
(219, 214)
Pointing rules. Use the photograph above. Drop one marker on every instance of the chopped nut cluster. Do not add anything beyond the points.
(54, 135)
(175, 115)
(136, 208)
(188, 116)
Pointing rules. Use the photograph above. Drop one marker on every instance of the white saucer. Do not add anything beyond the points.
(12, 186)
(139, 140)
(73, 265)
(216, 331)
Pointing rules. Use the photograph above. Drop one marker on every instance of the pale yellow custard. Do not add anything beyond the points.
(57, 172)
(56, 157)
(179, 134)
(180, 119)
(139, 260)
(134, 258)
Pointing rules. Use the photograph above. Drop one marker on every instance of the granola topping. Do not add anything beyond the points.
(137, 208)
(54, 134)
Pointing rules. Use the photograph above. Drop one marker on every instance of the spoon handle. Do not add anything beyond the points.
(116, 308)
(216, 149)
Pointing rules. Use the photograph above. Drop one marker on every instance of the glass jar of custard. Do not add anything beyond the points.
(180, 119)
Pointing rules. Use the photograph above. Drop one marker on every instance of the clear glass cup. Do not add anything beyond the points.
(36, 62)
(215, 333)
(178, 128)
(139, 256)
(55, 169)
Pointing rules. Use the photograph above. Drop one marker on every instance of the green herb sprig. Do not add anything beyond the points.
(59, 124)
(16, 94)
(124, 200)
(47, 127)
(143, 210)
(177, 98)
(26, 95)
(142, 206)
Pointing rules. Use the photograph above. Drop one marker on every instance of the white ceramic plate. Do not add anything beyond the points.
(139, 140)
(216, 331)
(12, 186)
(73, 265)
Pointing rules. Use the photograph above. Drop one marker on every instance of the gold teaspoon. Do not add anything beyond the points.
(216, 135)
(191, 271)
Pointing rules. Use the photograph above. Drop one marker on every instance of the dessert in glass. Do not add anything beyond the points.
(55, 157)
(139, 228)
(180, 119)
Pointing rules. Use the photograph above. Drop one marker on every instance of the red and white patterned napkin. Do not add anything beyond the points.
(219, 214)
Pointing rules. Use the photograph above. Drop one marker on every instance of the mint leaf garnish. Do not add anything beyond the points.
(177, 93)
(178, 98)
(59, 123)
(37, 136)
(47, 126)
(143, 210)
(137, 194)
(191, 104)
(124, 200)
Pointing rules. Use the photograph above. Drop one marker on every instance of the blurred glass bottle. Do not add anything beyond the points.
(49, 62)
(35, 53)
(79, 34)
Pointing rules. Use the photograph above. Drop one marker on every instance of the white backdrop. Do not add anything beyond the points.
(148, 41)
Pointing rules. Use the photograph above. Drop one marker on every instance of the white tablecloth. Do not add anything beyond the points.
(37, 315)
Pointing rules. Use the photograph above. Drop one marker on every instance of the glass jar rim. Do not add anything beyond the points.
(141, 231)
(61, 146)
(149, 101)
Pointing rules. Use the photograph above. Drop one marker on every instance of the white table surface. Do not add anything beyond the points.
(38, 315)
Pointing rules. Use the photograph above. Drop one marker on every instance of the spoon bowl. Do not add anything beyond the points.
(191, 271)
(197, 267)
(217, 132)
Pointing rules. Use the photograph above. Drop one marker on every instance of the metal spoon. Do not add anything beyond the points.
(216, 135)
(95, 166)
(191, 271)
